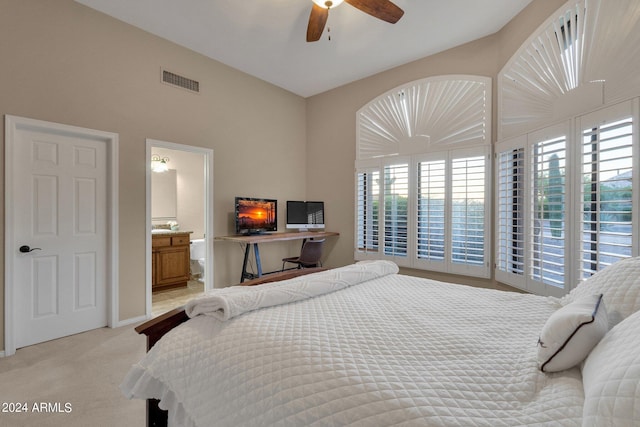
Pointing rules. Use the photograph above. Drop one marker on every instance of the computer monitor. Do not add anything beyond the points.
(256, 216)
(305, 215)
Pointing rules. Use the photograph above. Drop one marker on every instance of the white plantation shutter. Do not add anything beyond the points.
(607, 192)
(396, 209)
(533, 211)
(452, 225)
(579, 203)
(579, 67)
(367, 212)
(431, 221)
(426, 115)
(511, 212)
(584, 56)
(547, 231)
(468, 176)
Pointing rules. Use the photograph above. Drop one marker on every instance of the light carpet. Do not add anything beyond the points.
(73, 381)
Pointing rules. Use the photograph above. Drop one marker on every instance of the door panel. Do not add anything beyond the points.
(45, 195)
(85, 204)
(45, 286)
(60, 207)
(86, 291)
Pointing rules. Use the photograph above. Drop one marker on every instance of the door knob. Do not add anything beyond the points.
(26, 249)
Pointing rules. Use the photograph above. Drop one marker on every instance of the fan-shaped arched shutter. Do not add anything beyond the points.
(584, 56)
(435, 113)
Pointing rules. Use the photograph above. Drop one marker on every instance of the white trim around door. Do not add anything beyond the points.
(208, 216)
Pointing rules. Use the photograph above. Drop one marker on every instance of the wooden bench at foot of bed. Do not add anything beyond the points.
(155, 329)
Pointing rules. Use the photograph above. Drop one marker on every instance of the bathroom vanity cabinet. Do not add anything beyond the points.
(170, 259)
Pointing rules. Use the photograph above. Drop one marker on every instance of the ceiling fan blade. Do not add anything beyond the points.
(381, 9)
(317, 21)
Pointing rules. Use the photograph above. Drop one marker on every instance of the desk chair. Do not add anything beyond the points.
(310, 255)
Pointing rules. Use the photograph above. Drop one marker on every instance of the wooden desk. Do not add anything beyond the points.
(266, 238)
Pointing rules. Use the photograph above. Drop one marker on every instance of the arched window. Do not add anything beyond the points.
(423, 175)
(568, 143)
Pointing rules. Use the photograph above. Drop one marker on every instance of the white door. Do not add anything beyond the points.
(59, 211)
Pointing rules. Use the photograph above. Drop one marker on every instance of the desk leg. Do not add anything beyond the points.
(244, 263)
(256, 253)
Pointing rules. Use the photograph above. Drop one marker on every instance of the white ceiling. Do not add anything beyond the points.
(266, 38)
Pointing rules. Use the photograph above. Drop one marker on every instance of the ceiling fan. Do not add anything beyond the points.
(381, 9)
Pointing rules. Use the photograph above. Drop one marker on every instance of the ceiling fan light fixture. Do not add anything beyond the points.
(326, 4)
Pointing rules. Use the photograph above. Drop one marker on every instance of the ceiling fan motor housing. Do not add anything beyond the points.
(381, 9)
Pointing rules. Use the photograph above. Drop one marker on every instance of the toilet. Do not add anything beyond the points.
(197, 259)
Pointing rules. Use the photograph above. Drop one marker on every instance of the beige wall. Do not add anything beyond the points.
(331, 118)
(66, 63)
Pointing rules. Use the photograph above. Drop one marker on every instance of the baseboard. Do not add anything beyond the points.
(1, 354)
(132, 321)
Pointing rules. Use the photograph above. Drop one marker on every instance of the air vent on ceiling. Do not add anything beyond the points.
(180, 81)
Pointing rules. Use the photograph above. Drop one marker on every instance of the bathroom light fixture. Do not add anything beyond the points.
(159, 164)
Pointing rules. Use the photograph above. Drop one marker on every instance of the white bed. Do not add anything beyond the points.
(364, 346)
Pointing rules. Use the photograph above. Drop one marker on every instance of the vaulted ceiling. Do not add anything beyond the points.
(266, 38)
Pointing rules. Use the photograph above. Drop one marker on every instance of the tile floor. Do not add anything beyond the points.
(165, 300)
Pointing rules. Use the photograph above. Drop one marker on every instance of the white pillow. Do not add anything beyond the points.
(620, 284)
(611, 377)
(571, 333)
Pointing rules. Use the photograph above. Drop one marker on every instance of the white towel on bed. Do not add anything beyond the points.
(227, 303)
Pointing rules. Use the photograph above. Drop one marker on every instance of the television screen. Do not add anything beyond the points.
(305, 215)
(256, 216)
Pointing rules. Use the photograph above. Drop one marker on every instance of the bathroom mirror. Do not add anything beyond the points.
(164, 198)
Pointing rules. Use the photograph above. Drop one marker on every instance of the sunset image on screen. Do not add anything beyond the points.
(256, 214)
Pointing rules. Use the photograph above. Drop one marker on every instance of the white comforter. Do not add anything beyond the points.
(392, 350)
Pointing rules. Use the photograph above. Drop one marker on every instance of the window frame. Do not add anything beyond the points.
(508, 275)
(573, 128)
(611, 114)
(364, 253)
(405, 260)
(426, 117)
(411, 260)
(427, 264)
(539, 140)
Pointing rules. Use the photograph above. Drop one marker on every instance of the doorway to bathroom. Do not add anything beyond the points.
(179, 212)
